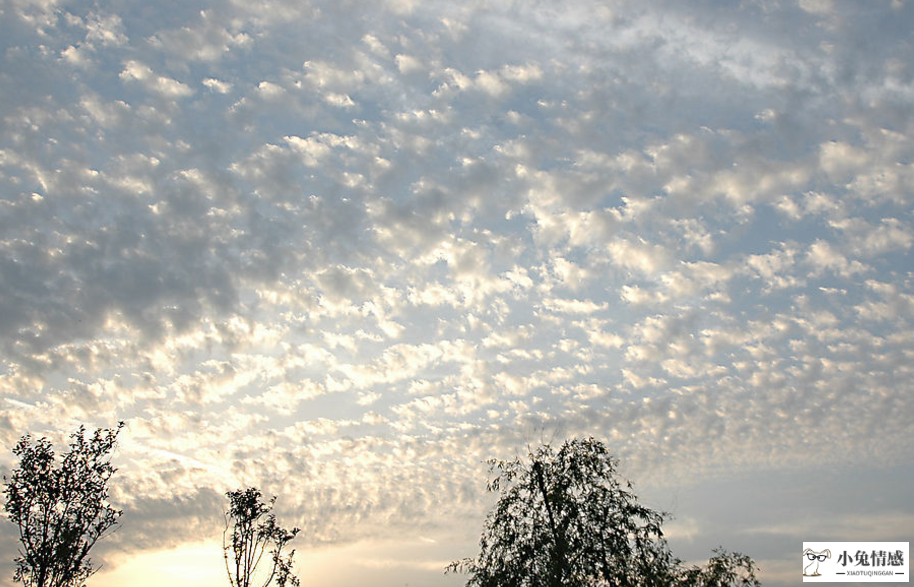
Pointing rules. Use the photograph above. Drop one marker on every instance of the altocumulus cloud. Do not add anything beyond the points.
(347, 251)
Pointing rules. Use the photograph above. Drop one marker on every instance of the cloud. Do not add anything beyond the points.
(349, 254)
(639, 256)
(207, 40)
(163, 85)
(823, 256)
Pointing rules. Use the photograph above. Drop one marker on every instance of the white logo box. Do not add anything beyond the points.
(855, 562)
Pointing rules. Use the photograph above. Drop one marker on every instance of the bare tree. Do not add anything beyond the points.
(61, 510)
(255, 533)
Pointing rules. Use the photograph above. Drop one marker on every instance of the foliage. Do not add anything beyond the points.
(61, 511)
(724, 568)
(254, 532)
(564, 519)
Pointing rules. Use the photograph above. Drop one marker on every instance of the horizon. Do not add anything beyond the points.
(346, 252)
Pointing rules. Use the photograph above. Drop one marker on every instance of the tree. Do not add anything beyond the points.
(254, 532)
(724, 568)
(61, 510)
(565, 519)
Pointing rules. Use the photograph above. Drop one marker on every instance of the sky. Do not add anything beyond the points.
(348, 251)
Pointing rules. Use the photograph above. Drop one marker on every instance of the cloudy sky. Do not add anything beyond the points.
(347, 251)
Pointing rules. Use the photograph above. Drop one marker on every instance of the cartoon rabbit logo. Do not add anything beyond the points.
(812, 559)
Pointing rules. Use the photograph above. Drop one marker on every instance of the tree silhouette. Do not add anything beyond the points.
(565, 519)
(61, 510)
(724, 568)
(254, 533)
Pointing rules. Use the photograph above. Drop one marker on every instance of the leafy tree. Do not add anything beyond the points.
(564, 519)
(724, 568)
(61, 510)
(254, 532)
